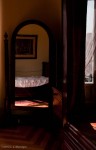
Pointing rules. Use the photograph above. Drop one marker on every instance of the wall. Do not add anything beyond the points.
(2, 65)
(12, 12)
(90, 91)
(17, 11)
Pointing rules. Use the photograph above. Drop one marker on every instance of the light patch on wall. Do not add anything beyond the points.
(2, 64)
(0, 41)
(0, 24)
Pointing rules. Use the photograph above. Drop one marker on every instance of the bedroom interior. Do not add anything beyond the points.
(24, 123)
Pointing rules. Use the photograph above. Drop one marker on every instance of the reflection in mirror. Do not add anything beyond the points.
(30, 61)
(33, 53)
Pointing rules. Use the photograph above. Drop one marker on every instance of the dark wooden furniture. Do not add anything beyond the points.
(45, 92)
(42, 93)
(45, 69)
(75, 140)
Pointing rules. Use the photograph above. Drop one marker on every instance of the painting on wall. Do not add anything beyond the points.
(26, 46)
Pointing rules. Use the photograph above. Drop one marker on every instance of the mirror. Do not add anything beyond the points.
(33, 53)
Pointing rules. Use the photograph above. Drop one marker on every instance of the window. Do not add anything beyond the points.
(89, 57)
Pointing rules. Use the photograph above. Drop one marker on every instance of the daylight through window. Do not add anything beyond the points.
(89, 57)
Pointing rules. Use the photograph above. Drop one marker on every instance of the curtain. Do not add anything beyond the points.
(94, 36)
(64, 101)
(94, 52)
(76, 33)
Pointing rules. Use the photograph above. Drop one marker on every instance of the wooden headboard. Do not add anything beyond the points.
(45, 69)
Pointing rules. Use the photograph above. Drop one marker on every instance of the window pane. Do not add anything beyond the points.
(89, 59)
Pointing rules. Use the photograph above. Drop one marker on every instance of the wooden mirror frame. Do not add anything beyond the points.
(52, 58)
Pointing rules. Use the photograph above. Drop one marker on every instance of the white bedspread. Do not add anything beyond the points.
(32, 81)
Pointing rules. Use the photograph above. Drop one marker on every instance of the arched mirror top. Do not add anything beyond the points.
(35, 24)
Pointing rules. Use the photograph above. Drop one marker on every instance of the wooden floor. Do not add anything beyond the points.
(29, 134)
(36, 132)
(84, 121)
(33, 130)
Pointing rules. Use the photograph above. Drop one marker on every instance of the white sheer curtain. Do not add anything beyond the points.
(95, 36)
(90, 42)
